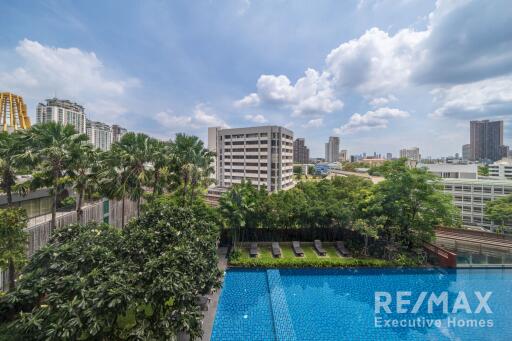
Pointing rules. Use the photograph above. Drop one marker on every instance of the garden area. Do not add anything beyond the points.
(288, 259)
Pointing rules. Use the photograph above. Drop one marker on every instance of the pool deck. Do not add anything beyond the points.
(209, 315)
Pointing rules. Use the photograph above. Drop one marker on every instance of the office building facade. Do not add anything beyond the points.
(486, 139)
(332, 149)
(501, 169)
(466, 152)
(263, 155)
(471, 196)
(62, 111)
(300, 151)
(99, 134)
(343, 155)
(411, 154)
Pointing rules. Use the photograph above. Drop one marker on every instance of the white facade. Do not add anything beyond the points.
(501, 169)
(452, 171)
(411, 153)
(62, 111)
(99, 134)
(263, 155)
(472, 195)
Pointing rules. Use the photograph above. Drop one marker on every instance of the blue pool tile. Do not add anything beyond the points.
(338, 304)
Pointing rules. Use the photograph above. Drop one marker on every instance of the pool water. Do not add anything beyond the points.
(340, 304)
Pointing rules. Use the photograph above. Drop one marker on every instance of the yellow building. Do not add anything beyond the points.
(13, 112)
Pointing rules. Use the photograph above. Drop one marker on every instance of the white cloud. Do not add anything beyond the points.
(314, 123)
(200, 119)
(71, 73)
(486, 98)
(371, 120)
(256, 118)
(248, 101)
(380, 101)
(376, 62)
(311, 94)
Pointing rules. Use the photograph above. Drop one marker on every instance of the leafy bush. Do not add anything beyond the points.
(68, 203)
(96, 282)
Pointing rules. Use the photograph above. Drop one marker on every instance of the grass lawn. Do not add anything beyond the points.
(310, 259)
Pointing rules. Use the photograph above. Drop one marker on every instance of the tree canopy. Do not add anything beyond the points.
(96, 282)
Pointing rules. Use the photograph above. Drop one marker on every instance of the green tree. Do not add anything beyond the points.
(311, 170)
(192, 166)
(12, 149)
(96, 282)
(83, 173)
(297, 170)
(483, 170)
(160, 156)
(412, 202)
(126, 169)
(53, 145)
(13, 241)
(500, 211)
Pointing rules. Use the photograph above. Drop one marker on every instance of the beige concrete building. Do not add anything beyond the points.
(263, 155)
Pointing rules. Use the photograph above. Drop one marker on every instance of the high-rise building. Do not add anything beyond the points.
(332, 149)
(503, 151)
(411, 153)
(466, 152)
(62, 111)
(117, 132)
(99, 134)
(389, 156)
(263, 155)
(343, 155)
(486, 137)
(300, 151)
(13, 112)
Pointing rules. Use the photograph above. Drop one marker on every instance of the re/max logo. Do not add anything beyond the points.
(404, 304)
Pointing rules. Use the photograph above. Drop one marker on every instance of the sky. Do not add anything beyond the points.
(380, 74)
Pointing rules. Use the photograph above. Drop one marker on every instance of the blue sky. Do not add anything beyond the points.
(381, 74)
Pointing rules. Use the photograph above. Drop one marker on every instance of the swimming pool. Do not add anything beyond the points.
(352, 304)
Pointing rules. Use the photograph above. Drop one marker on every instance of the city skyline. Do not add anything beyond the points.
(151, 68)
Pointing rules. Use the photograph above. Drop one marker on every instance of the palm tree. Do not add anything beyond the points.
(235, 206)
(129, 171)
(193, 165)
(83, 172)
(160, 159)
(53, 144)
(11, 152)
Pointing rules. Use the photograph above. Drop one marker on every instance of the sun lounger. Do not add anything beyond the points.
(254, 250)
(203, 301)
(319, 248)
(342, 249)
(276, 250)
(297, 249)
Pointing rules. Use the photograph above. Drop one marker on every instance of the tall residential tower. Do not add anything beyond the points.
(332, 149)
(486, 139)
(300, 151)
(62, 111)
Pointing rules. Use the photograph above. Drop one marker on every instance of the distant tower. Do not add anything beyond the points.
(13, 112)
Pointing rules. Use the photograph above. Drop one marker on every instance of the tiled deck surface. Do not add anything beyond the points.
(209, 315)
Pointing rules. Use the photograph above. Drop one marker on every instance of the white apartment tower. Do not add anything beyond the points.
(62, 111)
(263, 155)
(100, 134)
(411, 153)
(332, 149)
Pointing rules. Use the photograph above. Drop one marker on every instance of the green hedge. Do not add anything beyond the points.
(317, 262)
